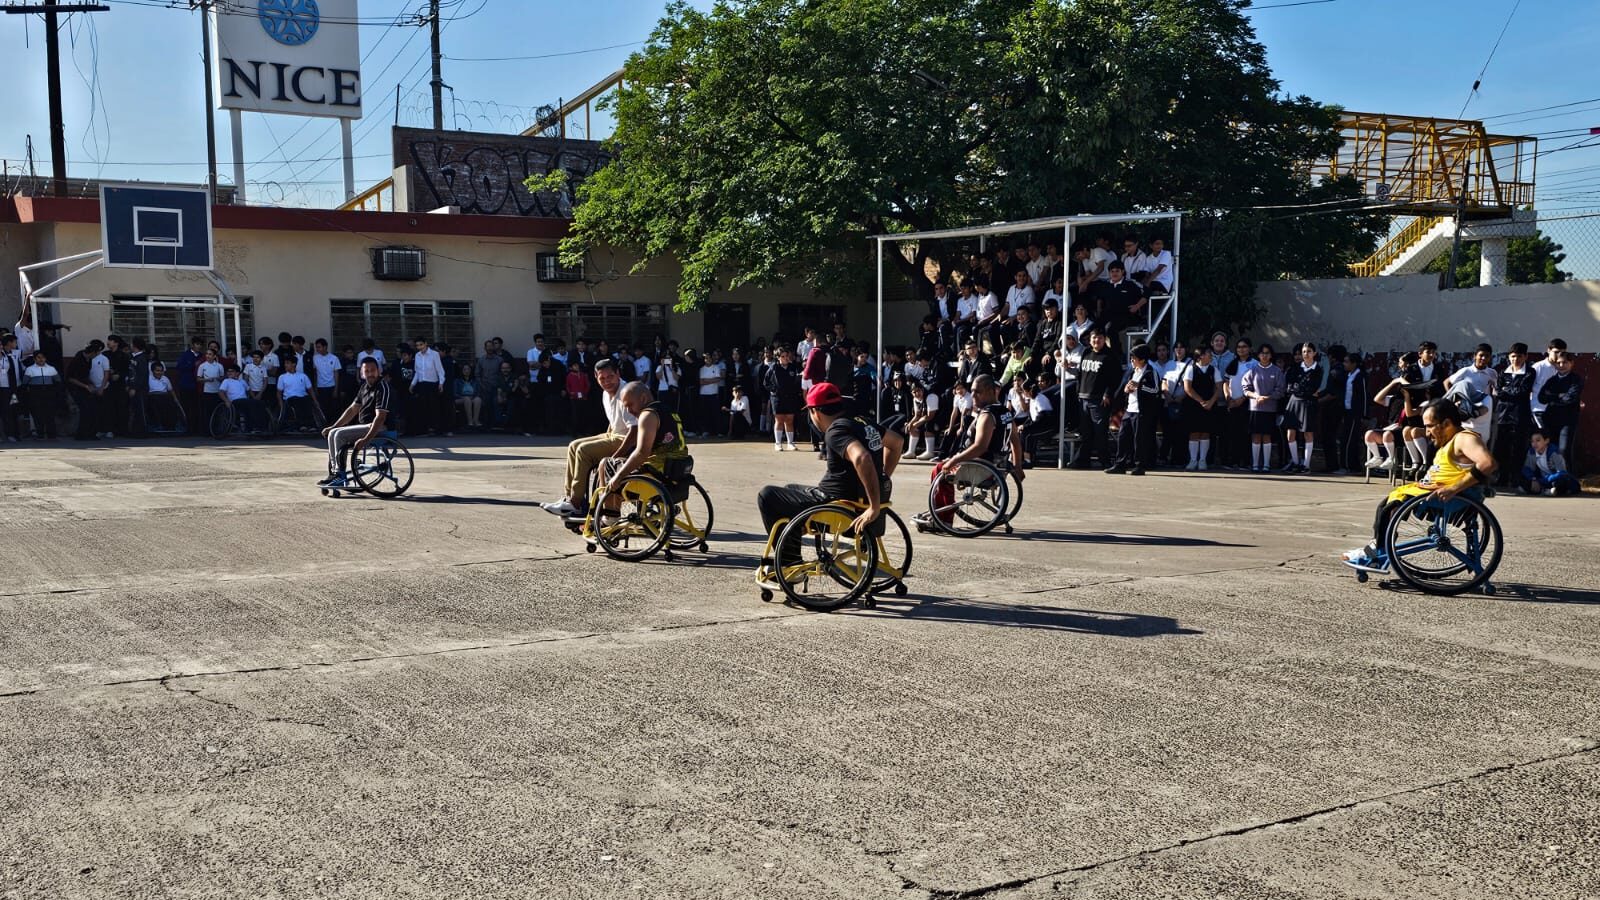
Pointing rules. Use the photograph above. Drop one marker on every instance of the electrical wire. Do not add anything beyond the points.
(565, 52)
(1481, 72)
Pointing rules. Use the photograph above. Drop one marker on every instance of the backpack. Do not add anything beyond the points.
(1471, 401)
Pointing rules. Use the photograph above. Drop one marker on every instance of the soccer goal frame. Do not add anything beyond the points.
(1166, 315)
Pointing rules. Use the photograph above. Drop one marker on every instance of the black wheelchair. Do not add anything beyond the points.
(382, 468)
(227, 420)
(971, 499)
(1439, 547)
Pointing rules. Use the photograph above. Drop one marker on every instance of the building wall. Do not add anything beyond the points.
(292, 275)
(1381, 314)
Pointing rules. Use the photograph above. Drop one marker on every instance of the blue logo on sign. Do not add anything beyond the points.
(289, 22)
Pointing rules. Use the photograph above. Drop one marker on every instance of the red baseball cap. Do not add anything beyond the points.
(824, 394)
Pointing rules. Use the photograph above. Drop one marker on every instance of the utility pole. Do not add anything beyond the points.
(211, 114)
(1449, 283)
(52, 48)
(438, 81)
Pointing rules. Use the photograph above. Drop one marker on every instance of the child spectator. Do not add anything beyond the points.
(1136, 441)
(1560, 395)
(469, 396)
(246, 410)
(294, 390)
(209, 374)
(42, 386)
(160, 403)
(924, 422)
(576, 391)
(738, 410)
(1263, 386)
(1201, 384)
(1544, 471)
(255, 375)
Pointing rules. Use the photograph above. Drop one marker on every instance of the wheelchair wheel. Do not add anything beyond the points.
(691, 523)
(635, 522)
(894, 559)
(834, 565)
(981, 500)
(382, 468)
(221, 424)
(1015, 485)
(1443, 548)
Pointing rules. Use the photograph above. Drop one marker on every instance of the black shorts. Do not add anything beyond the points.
(1262, 422)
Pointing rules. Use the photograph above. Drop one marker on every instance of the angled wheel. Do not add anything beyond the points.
(635, 521)
(894, 556)
(221, 424)
(691, 523)
(822, 564)
(382, 468)
(969, 500)
(1446, 547)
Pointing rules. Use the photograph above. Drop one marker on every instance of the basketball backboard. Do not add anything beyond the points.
(154, 227)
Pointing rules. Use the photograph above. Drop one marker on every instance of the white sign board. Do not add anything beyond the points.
(297, 57)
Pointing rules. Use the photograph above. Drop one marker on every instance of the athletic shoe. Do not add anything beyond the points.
(778, 447)
(1387, 465)
(562, 508)
(1368, 558)
(1193, 466)
(332, 481)
(1201, 467)
(1115, 470)
(792, 446)
(926, 454)
(1136, 470)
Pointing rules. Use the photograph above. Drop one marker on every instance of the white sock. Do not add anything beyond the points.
(1256, 454)
(911, 445)
(777, 434)
(789, 435)
(1195, 453)
(1388, 446)
(1307, 456)
(1420, 447)
(1205, 450)
(1294, 453)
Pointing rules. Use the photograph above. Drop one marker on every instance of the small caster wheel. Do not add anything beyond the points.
(1488, 590)
(869, 602)
(766, 596)
(1361, 578)
(667, 555)
(588, 548)
(1008, 528)
(899, 589)
(325, 492)
(705, 547)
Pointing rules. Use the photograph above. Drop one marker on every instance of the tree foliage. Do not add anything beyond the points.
(764, 140)
(1529, 260)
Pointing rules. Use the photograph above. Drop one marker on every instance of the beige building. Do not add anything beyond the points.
(323, 273)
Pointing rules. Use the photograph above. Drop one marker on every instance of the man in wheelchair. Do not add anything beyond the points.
(371, 413)
(856, 470)
(992, 436)
(1462, 465)
(653, 443)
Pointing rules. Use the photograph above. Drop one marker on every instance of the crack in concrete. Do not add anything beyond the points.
(1068, 875)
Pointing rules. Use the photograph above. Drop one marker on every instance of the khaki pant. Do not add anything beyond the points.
(582, 456)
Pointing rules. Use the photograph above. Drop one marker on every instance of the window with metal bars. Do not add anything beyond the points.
(170, 329)
(391, 322)
(614, 323)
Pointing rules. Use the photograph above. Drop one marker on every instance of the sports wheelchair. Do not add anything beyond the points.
(836, 565)
(382, 468)
(972, 499)
(1441, 547)
(229, 419)
(650, 512)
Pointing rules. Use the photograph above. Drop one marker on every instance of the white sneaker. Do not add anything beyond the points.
(1387, 465)
(778, 447)
(926, 454)
(562, 508)
(792, 446)
(1193, 466)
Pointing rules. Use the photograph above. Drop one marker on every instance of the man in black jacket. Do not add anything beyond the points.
(1099, 377)
(1512, 415)
(1121, 301)
(1560, 395)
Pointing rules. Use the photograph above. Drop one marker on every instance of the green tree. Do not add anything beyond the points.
(765, 139)
(1529, 260)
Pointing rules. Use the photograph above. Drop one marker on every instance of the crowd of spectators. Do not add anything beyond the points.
(1068, 339)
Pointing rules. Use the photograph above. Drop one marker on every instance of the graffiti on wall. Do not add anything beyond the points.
(484, 173)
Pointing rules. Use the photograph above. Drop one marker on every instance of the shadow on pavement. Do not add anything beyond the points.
(1517, 593)
(1008, 615)
(1097, 537)
(450, 498)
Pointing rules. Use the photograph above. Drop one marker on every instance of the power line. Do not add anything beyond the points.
(1479, 80)
(1540, 109)
(575, 52)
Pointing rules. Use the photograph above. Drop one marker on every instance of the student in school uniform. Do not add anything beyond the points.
(1136, 440)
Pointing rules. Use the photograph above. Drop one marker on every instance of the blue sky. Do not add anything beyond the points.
(146, 121)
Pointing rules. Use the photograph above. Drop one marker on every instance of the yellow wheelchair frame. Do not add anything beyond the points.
(862, 568)
(642, 518)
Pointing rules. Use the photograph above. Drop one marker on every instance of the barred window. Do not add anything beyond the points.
(614, 323)
(170, 328)
(391, 322)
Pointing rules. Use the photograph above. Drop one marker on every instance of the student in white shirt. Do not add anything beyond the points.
(255, 374)
(924, 422)
(43, 386)
(738, 410)
(1480, 378)
(326, 380)
(1020, 295)
(161, 407)
(990, 314)
(1543, 371)
(295, 390)
(1159, 275)
(966, 312)
(369, 350)
(433, 410)
(1135, 264)
(711, 377)
(249, 411)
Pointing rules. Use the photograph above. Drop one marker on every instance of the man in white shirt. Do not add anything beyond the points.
(295, 390)
(327, 366)
(369, 350)
(1134, 263)
(966, 313)
(990, 313)
(712, 373)
(536, 352)
(584, 454)
(1020, 295)
(1037, 268)
(642, 367)
(427, 388)
(1158, 278)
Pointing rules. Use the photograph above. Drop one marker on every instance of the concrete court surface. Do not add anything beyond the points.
(216, 683)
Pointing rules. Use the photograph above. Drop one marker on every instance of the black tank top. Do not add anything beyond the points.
(670, 434)
(1000, 437)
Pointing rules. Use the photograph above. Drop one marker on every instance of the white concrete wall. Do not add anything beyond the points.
(291, 276)
(1382, 314)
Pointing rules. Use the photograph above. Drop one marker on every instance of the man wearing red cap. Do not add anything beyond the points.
(854, 451)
